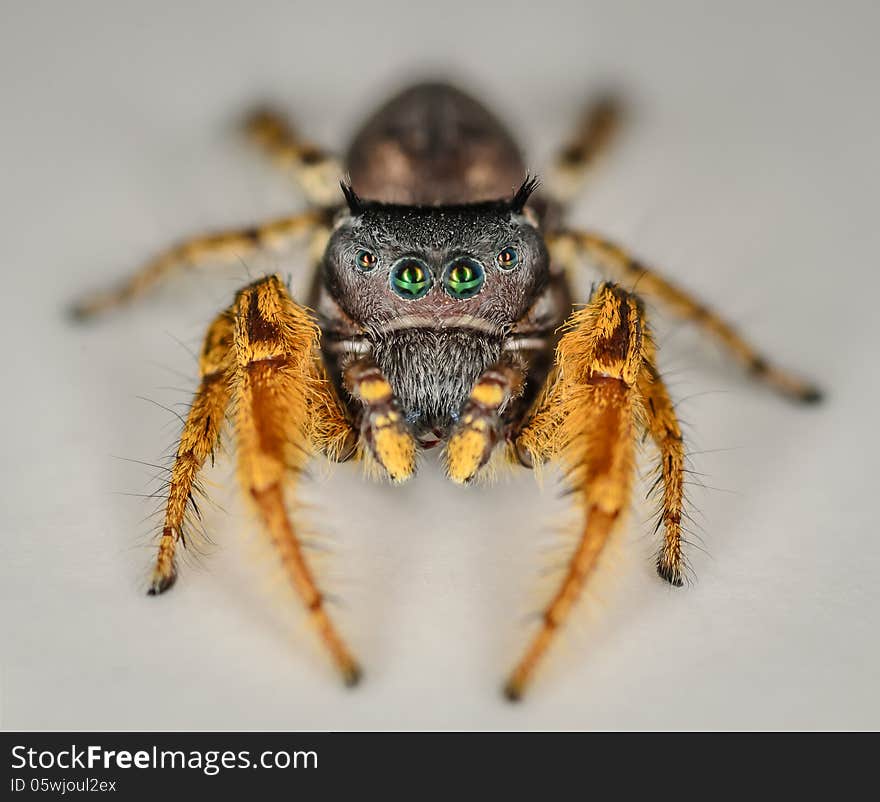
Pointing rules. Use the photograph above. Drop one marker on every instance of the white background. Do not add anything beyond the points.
(749, 171)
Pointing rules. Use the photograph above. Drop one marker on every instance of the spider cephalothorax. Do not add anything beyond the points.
(440, 314)
(485, 261)
(433, 294)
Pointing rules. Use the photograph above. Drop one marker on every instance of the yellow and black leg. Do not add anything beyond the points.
(216, 248)
(317, 171)
(566, 247)
(590, 140)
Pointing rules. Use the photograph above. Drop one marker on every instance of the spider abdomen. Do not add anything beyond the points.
(433, 144)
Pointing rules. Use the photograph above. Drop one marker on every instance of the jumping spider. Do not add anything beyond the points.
(442, 314)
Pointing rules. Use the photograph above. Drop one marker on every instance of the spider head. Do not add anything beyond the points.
(436, 266)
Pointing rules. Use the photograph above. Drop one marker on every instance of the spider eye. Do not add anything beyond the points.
(464, 278)
(410, 279)
(508, 259)
(365, 260)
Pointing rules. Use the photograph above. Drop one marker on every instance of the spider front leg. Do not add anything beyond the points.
(662, 424)
(276, 389)
(479, 426)
(219, 247)
(276, 350)
(588, 418)
(383, 428)
(568, 245)
(317, 171)
(197, 442)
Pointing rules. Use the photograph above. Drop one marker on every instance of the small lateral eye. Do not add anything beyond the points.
(464, 278)
(508, 258)
(410, 279)
(365, 260)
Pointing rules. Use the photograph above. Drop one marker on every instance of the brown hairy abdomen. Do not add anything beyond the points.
(433, 144)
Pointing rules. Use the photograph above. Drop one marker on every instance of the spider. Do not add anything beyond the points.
(440, 313)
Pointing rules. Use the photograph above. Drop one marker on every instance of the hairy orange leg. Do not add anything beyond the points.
(197, 442)
(275, 387)
(260, 358)
(588, 419)
(661, 423)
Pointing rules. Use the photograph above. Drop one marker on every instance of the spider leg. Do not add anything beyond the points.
(317, 171)
(590, 140)
(480, 426)
(260, 359)
(219, 247)
(662, 424)
(383, 427)
(567, 246)
(275, 377)
(197, 442)
(588, 418)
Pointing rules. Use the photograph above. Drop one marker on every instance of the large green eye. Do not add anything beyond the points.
(365, 260)
(508, 258)
(464, 278)
(410, 278)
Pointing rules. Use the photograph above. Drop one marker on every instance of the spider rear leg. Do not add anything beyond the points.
(590, 140)
(383, 427)
(214, 248)
(588, 419)
(480, 427)
(568, 245)
(317, 171)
